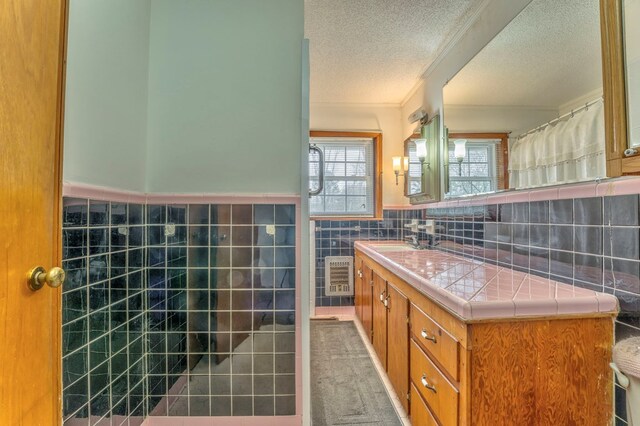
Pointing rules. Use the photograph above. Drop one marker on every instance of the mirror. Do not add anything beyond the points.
(538, 84)
(632, 62)
(422, 180)
(413, 181)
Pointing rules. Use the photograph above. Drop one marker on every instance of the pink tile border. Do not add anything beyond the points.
(103, 193)
(327, 311)
(225, 420)
(618, 186)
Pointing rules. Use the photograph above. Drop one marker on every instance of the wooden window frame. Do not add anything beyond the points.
(504, 149)
(377, 172)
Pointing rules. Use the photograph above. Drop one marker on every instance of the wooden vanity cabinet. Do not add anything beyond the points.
(379, 338)
(398, 342)
(512, 371)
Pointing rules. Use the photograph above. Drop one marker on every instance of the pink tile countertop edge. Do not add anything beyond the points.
(607, 187)
(499, 292)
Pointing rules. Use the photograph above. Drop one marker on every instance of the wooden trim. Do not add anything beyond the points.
(504, 147)
(57, 221)
(613, 82)
(377, 158)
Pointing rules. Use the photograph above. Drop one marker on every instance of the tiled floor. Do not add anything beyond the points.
(347, 315)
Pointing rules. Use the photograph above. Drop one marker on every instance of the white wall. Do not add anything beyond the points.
(106, 93)
(470, 119)
(384, 118)
(225, 96)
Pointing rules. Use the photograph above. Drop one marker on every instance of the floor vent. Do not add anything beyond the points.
(338, 276)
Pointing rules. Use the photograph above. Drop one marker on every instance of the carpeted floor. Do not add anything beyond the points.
(345, 387)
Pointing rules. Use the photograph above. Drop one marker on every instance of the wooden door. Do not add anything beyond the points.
(358, 275)
(32, 40)
(367, 299)
(398, 343)
(380, 318)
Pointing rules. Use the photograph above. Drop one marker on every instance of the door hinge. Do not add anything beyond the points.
(408, 396)
(371, 283)
(408, 322)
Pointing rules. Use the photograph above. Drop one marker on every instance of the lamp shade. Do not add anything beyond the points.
(460, 149)
(421, 148)
(397, 161)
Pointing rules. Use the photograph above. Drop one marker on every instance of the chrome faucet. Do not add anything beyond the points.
(413, 241)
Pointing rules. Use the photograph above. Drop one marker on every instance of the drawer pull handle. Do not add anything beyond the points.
(427, 385)
(426, 336)
(382, 297)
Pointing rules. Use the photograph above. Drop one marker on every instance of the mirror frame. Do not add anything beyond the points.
(615, 90)
(431, 171)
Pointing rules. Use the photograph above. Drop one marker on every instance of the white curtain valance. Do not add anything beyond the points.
(569, 151)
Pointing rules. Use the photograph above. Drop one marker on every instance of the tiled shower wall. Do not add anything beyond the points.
(178, 310)
(103, 311)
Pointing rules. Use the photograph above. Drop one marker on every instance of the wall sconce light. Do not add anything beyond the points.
(400, 166)
(460, 151)
(421, 149)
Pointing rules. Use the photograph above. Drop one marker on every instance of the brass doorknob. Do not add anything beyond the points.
(38, 276)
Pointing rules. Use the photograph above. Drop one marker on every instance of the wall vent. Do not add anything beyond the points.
(338, 276)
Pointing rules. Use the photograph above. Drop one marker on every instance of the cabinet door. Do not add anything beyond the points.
(367, 299)
(380, 318)
(398, 342)
(357, 280)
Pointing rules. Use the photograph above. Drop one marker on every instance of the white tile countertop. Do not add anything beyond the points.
(474, 290)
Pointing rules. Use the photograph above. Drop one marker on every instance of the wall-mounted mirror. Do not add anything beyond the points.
(422, 180)
(539, 81)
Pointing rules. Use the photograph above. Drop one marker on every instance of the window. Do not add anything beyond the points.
(476, 174)
(351, 175)
(414, 174)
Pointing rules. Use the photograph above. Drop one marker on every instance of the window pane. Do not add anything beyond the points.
(356, 169)
(357, 204)
(477, 155)
(333, 187)
(335, 204)
(349, 177)
(316, 204)
(334, 169)
(357, 188)
(334, 153)
(479, 169)
(314, 168)
(356, 154)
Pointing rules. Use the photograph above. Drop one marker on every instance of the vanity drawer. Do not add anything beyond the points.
(444, 347)
(420, 413)
(441, 396)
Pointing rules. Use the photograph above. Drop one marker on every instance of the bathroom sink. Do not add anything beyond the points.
(392, 247)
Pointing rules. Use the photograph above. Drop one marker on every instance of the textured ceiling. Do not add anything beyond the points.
(547, 56)
(373, 51)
